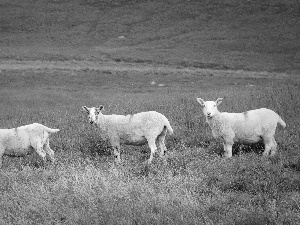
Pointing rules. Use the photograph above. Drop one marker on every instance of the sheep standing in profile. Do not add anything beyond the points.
(246, 128)
(24, 140)
(137, 129)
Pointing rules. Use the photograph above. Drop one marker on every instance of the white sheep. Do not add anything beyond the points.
(137, 129)
(24, 140)
(248, 127)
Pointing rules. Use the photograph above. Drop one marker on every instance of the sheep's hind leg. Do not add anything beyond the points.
(228, 149)
(153, 148)
(162, 146)
(268, 142)
(49, 151)
(40, 151)
(1, 157)
(274, 147)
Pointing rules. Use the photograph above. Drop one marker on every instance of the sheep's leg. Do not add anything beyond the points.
(115, 144)
(274, 147)
(228, 149)
(49, 151)
(268, 142)
(116, 148)
(40, 151)
(162, 146)
(1, 155)
(117, 154)
(153, 148)
(1, 158)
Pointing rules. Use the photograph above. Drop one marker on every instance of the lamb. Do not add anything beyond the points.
(248, 127)
(137, 129)
(24, 140)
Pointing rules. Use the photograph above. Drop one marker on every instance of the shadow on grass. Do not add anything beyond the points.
(293, 166)
(32, 160)
(254, 219)
(95, 147)
(158, 168)
(257, 148)
(237, 149)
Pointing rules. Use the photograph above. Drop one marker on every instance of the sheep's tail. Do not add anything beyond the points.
(281, 122)
(54, 130)
(51, 130)
(168, 126)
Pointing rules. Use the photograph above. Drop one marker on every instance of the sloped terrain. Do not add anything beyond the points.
(231, 34)
(131, 56)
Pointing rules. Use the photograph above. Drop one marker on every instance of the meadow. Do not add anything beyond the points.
(196, 185)
(59, 55)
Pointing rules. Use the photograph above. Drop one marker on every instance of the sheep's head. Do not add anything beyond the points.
(210, 108)
(93, 113)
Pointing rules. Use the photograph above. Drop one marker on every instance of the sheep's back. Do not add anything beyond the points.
(149, 120)
(138, 123)
(16, 142)
(262, 117)
(252, 125)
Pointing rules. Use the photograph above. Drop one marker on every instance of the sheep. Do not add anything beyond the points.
(137, 129)
(24, 140)
(247, 128)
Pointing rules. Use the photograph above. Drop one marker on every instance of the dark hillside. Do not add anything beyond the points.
(221, 34)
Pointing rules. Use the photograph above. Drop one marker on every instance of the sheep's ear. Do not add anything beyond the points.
(99, 109)
(86, 108)
(201, 101)
(218, 101)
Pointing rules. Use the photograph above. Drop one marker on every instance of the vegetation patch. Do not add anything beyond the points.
(196, 185)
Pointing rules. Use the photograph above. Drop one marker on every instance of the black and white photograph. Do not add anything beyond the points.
(137, 112)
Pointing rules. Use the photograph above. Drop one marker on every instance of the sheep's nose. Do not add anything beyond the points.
(91, 122)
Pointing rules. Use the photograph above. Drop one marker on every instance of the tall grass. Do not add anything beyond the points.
(196, 186)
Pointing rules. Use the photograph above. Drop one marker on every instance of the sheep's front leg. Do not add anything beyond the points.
(117, 154)
(115, 143)
(1, 160)
(228, 149)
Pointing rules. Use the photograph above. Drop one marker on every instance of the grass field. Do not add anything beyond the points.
(196, 186)
(59, 55)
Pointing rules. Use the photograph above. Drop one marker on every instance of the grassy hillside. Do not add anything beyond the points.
(55, 57)
(195, 186)
(235, 34)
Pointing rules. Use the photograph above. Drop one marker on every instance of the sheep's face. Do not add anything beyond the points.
(93, 113)
(210, 108)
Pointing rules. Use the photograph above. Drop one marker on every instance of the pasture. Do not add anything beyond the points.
(196, 186)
